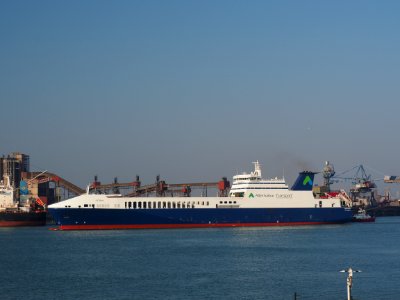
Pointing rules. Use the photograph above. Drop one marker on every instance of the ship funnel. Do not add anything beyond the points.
(304, 181)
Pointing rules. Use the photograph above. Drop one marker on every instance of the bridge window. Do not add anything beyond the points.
(183, 205)
(173, 205)
(85, 205)
(134, 205)
(139, 204)
(169, 204)
(126, 204)
(144, 204)
(179, 205)
(164, 204)
(129, 204)
(159, 204)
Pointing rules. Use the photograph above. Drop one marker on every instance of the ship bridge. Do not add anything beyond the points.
(253, 181)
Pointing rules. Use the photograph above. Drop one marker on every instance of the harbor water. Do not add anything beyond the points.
(226, 263)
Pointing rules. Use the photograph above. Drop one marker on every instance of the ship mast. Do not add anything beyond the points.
(257, 169)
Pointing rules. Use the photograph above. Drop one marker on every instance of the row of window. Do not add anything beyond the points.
(226, 202)
(263, 188)
(241, 194)
(163, 204)
(247, 178)
(159, 204)
(320, 204)
(278, 182)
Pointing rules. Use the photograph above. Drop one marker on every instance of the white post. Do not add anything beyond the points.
(349, 281)
(348, 289)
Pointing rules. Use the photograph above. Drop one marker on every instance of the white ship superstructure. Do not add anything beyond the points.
(6, 195)
(253, 181)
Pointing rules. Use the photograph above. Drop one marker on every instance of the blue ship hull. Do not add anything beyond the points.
(79, 218)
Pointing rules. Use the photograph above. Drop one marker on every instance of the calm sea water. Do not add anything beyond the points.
(228, 263)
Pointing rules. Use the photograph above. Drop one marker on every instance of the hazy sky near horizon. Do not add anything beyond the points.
(197, 90)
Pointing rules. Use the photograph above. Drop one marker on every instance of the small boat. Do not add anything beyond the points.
(362, 216)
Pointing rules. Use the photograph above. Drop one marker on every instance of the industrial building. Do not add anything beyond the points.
(51, 188)
(15, 167)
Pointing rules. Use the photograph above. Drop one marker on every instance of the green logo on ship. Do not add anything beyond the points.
(251, 195)
(307, 180)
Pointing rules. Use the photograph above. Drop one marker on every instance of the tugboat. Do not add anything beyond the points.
(14, 213)
(362, 216)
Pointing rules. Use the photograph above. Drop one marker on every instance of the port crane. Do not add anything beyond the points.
(363, 186)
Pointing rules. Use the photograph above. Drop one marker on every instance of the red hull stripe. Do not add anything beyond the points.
(162, 226)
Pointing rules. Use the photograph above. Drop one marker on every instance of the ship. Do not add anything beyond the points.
(252, 201)
(17, 213)
(363, 217)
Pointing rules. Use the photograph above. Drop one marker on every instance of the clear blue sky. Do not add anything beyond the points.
(197, 90)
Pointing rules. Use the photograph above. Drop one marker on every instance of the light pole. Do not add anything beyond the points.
(350, 271)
